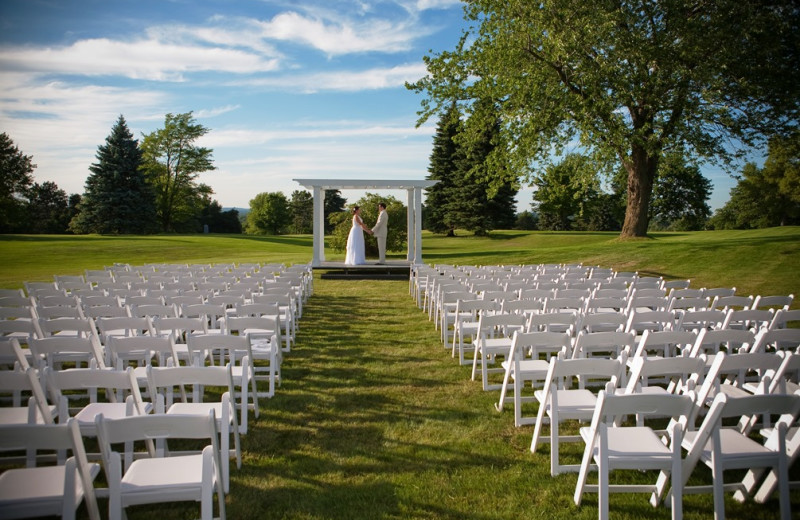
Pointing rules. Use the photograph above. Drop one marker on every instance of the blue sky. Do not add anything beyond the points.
(289, 89)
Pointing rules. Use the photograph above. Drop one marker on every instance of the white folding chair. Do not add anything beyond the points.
(235, 350)
(638, 448)
(655, 320)
(80, 327)
(602, 321)
(163, 383)
(214, 314)
(748, 319)
(492, 339)
(783, 317)
(36, 409)
(776, 339)
(36, 491)
(723, 448)
(677, 374)
(264, 335)
(558, 402)
(56, 350)
(121, 396)
(466, 325)
(700, 319)
(776, 302)
(124, 327)
(527, 362)
(602, 344)
(162, 475)
(663, 344)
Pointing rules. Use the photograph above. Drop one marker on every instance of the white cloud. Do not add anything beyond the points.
(214, 112)
(354, 130)
(141, 59)
(343, 36)
(344, 81)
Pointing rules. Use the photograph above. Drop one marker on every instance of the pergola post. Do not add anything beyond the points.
(412, 236)
(418, 225)
(319, 227)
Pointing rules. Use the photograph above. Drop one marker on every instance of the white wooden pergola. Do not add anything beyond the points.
(413, 188)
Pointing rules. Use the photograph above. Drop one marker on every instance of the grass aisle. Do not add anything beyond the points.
(375, 420)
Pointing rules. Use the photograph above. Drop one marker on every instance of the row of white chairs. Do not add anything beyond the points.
(123, 400)
(701, 374)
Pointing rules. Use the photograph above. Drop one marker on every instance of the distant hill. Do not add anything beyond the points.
(242, 211)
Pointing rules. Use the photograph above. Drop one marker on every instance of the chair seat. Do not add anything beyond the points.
(195, 409)
(495, 345)
(529, 369)
(19, 414)
(40, 489)
(737, 450)
(87, 415)
(636, 447)
(182, 476)
(572, 404)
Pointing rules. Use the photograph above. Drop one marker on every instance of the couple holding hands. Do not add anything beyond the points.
(355, 240)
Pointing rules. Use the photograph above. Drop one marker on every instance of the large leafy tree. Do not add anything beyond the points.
(269, 214)
(118, 199)
(48, 209)
(301, 207)
(680, 196)
(172, 161)
(628, 79)
(16, 177)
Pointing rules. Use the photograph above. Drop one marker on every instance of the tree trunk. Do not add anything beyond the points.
(641, 170)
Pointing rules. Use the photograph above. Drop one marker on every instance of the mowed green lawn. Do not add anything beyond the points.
(755, 261)
(374, 419)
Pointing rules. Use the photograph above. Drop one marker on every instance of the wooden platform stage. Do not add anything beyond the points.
(391, 270)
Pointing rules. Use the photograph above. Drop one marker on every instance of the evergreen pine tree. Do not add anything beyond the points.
(446, 159)
(480, 203)
(118, 199)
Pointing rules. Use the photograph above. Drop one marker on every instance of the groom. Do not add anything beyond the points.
(380, 230)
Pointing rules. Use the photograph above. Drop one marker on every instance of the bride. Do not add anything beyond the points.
(355, 240)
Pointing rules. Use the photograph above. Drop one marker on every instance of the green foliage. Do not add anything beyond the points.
(397, 231)
(444, 163)
(334, 203)
(118, 199)
(269, 214)
(563, 192)
(679, 196)
(526, 221)
(627, 79)
(16, 177)
(172, 162)
(47, 209)
(768, 196)
(301, 207)
(219, 221)
(466, 196)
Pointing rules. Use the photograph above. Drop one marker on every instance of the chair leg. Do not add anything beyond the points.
(602, 471)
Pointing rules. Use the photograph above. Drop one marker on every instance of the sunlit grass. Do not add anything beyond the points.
(374, 418)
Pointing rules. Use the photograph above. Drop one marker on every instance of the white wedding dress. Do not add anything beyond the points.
(355, 245)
